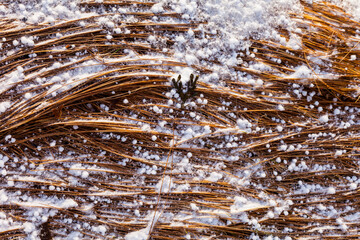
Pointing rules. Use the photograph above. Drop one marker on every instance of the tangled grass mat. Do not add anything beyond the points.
(95, 144)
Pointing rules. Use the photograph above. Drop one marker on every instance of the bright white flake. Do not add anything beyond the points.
(324, 118)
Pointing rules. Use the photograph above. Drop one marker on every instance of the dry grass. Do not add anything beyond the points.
(115, 190)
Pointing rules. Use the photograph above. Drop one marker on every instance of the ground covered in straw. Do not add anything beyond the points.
(257, 139)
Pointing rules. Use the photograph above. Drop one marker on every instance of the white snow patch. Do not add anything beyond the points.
(302, 72)
(164, 185)
(68, 203)
(214, 177)
(242, 204)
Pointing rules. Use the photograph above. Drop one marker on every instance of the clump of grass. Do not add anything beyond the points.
(98, 123)
(188, 91)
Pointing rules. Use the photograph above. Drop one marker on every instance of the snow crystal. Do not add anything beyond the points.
(162, 123)
(10, 183)
(156, 109)
(207, 129)
(283, 147)
(110, 24)
(291, 148)
(194, 207)
(137, 213)
(27, 41)
(331, 190)
(84, 174)
(100, 229)
(29, 227)
(28, 95)
(353, 186)
(3, 196)
(338, 153)
(281, 107)
(294, 42)
(4, 105)
(146, 128)
(53, 143)
(244, 124)
(324, 118)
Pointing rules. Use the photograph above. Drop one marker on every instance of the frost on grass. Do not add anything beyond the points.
(95, 142)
